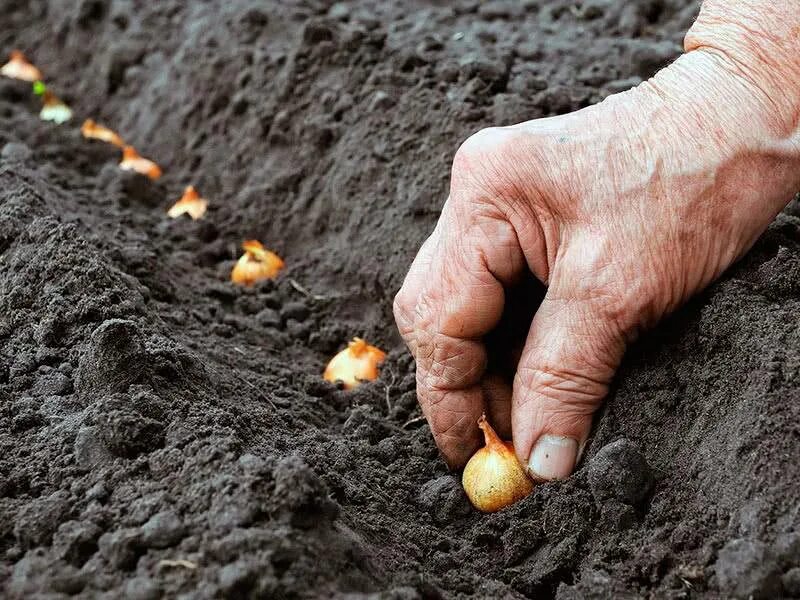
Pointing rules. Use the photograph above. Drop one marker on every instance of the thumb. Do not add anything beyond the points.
(570, 357)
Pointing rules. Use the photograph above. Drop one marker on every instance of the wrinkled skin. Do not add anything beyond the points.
(624, 210)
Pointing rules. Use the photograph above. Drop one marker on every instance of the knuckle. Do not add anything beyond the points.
(477, 147)
(483, 155)
(401, 307)
(404, 325)
(403, 315)
(478, 143)
(404, 310)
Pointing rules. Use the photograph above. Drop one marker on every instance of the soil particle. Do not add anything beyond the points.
(113, 360)
(791, 582)
(76, 541)
(150, 410)
(121, 548)
(163, 530)
(51, 383)
(89, 449)
(269, 318)
(34, 575)
(617, 516)
(301, 496)
(747, 569)
(295, 310)
(15, 152)
(787, 548)
(36, 522)
(444, 498)
(236, 579)
(142, 588)
(620, 472)
(129, 434)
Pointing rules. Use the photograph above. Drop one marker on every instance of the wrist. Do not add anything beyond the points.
(757, 41)
(717, 110)
(731, 142)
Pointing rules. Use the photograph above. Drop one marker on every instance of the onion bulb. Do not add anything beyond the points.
(190, 204)
(356, 363)
(95, 131)
(18, 67)
(493, 477)
(256, 264)
(131, 161)
(54, 109)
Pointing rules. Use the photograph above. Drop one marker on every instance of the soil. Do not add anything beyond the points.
(165, 433)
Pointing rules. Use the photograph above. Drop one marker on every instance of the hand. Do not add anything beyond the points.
(624, 210)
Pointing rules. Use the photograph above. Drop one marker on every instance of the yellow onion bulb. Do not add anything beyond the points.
(18, 67)
(190, 204)
(357, 363)
(54, 109)
(132, 161)
(493, 477)
(256, 264)
(94, 131)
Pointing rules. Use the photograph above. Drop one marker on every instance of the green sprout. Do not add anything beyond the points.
(39, 88)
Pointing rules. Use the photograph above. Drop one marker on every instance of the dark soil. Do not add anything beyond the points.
(150, 411)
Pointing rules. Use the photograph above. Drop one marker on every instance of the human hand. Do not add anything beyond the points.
(624, 210)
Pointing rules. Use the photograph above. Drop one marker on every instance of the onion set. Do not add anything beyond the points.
(256, 264)
(18, 67)
(54, 109)
(131, 161)
(190, 204)
(493, 477)
(95, 131)
(357, 363)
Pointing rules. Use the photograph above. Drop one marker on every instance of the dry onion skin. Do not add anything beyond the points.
(18, 67)
(95, 131)
(190, 204)
(256, 264)
(493, 477)
(131, 161)
(355, 364)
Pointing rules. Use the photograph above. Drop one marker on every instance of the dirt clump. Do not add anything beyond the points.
(168, 434)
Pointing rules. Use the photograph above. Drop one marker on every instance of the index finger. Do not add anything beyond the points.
(460, 300)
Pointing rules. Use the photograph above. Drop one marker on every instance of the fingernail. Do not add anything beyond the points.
(553, 457)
